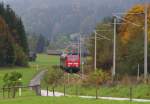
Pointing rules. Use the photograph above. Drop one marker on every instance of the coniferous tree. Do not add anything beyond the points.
(13, 40)
(7, 53)
(40, 44)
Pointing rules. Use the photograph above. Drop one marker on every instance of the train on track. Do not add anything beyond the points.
(70, 61)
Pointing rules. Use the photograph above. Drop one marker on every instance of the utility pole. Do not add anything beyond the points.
(95, 51)
(145, 39)
(138, 73)
(114, 50)
(78, 45)
(145, 43)
(80, 51)
(81, 66)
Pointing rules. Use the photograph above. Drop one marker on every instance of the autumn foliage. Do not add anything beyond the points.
(135, 23)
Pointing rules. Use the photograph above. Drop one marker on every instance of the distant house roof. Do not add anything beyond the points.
(74, 35)
(54, 52)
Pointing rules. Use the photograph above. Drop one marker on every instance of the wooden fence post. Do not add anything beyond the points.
(47, 90)
(3, 92)
(64, 89)
(37, 89)
(96, 92)
(14, 92)
(130, 94)
(53, 91)
(8, 92)
(76, 90)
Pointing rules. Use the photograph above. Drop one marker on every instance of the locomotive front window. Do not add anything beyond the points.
(73, 57)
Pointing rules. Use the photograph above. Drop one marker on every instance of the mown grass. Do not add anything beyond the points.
(43, 61)
(61, 100)
(46, 61)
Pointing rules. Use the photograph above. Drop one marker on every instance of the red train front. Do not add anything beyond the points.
(70, 62)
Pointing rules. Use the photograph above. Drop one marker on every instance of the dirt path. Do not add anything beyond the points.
(58, 94)
(37, 79)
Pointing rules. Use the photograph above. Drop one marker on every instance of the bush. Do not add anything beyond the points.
(54, 76)
(12, 79)
(96, 78)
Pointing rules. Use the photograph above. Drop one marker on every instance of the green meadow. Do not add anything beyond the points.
(42, 62)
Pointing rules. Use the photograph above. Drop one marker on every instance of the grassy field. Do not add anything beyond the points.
(43, 61)
(46, 61)
(61, 100)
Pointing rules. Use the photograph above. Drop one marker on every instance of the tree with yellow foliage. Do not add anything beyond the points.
(131, 40)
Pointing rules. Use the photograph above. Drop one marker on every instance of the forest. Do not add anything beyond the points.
(13, 41)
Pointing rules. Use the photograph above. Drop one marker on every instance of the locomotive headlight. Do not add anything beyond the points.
(76, 64)
(69, 64)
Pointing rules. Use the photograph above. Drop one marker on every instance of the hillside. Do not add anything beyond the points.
(66, 16)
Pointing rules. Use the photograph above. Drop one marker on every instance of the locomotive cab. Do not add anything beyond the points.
(70, 62)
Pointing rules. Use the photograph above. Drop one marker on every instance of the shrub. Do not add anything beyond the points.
(96, 78)
(12, 79)
(54, 76)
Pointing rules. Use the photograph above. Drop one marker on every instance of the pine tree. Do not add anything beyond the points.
(22, 36)
(40, 44)
(13, 40)
(7, 52)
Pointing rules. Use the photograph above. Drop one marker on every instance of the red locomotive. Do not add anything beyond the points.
(70, 62)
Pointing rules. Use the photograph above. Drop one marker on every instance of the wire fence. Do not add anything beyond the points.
(96, 92)
(16, 91)
(129, 92)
